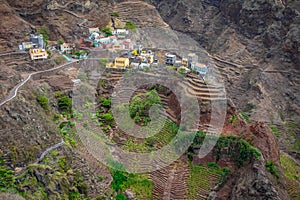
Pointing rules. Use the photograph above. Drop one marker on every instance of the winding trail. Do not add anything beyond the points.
(44, 153)
(13, 93)
(13, 53)
(51, 148)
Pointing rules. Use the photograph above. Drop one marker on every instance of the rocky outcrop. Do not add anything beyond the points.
(253, 183)
(265, 140)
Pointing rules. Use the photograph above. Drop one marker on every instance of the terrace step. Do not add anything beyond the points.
(171, 182)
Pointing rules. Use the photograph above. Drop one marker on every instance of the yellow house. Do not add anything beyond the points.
(120, 63)
(184, 62)
(36, 54)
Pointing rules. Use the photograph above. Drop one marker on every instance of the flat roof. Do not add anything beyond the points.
(121, 59)
(200, 65)
(68, 44)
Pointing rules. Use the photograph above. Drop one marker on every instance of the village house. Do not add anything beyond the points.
(184, 62)
(170, 59)
(37, 54)
(27, 46)
(192, 58)
(120, 63)
(105, 41)
(120, 33)
(37, 40)
(200, 68)
(93, 30)
(67, 48)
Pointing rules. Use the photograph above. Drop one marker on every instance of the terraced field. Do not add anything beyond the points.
(179, 180)
(292, 172)
(201, 181)
(136, 11)
(171, 182)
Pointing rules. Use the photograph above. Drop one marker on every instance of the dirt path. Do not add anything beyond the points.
(13, 93)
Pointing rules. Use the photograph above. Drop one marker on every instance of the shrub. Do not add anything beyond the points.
(236, 148)
(114, 14)
(107, 118)
(6, 177)
(274, 130)
(244, 116)
(100, 178)
(107, 31)
(213, 165)
(44, 30)
(139, 106)
(60, 41)
(105, 102)
(65, 103)
(233, 119)
(43, 101)
(246, 152)
(121, 197)
(130, 25)
(49, 53)
(270, 166)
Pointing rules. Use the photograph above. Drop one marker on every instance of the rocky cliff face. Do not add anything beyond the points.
(261, 39)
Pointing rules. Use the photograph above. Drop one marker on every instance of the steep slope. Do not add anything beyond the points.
(260, 40)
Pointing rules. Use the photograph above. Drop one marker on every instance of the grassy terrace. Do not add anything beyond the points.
(292, 172)
(203, 178)
(139, 184)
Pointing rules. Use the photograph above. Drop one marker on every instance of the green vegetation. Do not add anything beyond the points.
(140, 184)
(141, 104)
(244, 116)
(131, 145)
(43, 101)
(107, 31)
(49, 53)
(7, 179)
(233, 119)
(291, 171)
(103, 62)
(44, 30)
(64, 102)
(171, 67)
(105, 102)
(107, 118)
(100, 178)
(290, 167)
(270, 166)
(121, 197)
(274, 130)
(182, 71)
(60, 41)
(164, 137)
(68, 132)
(204, 177)
(81, 53)
(238, 149)
(130, 25)
(114, 14)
